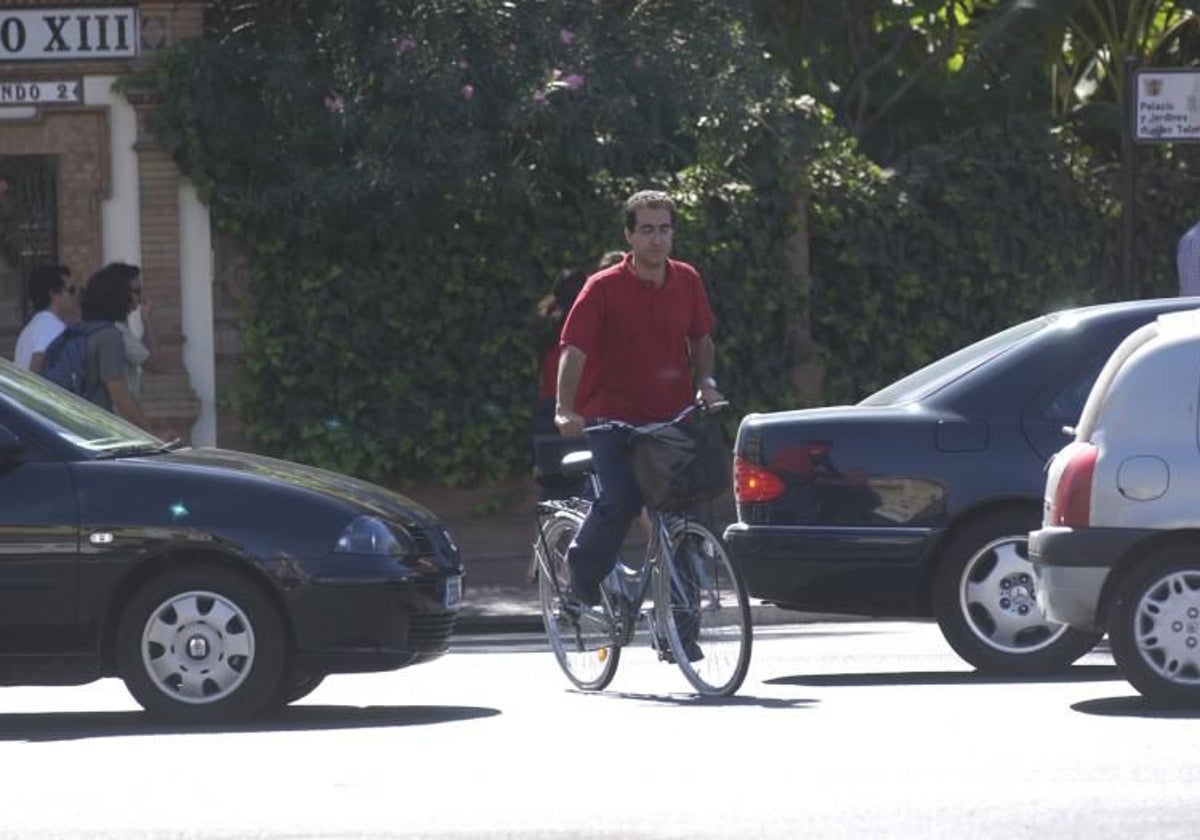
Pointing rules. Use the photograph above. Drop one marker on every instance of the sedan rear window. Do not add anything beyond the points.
(921, 383)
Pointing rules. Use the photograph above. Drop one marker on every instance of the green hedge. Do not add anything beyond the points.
(407, 184)
(407, 189)
(964, 240)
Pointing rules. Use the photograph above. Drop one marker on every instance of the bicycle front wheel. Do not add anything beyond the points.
(704, 610)
(584, 648)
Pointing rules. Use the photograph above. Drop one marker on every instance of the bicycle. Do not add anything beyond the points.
(700, 618)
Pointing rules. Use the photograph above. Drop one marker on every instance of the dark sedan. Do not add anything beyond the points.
(918, 500)
(216, 584)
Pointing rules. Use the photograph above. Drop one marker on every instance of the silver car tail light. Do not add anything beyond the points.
(1072, 501)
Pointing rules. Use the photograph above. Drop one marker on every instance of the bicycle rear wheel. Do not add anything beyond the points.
(583, 646)
(704, 610)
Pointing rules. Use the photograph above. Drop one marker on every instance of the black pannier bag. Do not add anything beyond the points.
(682, 465)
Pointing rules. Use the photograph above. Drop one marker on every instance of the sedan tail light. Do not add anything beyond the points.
(1072, 502)
(752, 483)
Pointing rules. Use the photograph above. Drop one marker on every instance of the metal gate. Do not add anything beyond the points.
(28, 216)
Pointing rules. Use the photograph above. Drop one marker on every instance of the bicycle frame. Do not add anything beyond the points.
(698, 616)
(625, 589)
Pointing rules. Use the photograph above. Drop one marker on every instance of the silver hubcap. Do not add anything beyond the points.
(998, 599)
(1167, 627)
(198, 647)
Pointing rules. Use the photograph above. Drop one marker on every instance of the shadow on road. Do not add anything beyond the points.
(686, 700)
(71, 726)
(1134, 706)
(1077, 673)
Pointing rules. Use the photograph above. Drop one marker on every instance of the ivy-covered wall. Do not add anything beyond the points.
(968, 237)
(407, 189)
(407, 184)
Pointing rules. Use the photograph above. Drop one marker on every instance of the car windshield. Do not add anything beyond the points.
(78, 421)
(921, 383)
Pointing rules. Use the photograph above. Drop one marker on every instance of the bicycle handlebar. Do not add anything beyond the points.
(650, 428)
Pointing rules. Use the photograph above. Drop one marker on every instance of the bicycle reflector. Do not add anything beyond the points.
(752, 483)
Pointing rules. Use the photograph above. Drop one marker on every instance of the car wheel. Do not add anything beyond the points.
(201, 644)
(1154, 628)
(985, 601)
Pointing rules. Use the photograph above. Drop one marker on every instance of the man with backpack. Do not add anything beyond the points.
(55, 306)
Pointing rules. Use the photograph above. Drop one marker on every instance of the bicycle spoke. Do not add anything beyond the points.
(583, 646)
(705, 612)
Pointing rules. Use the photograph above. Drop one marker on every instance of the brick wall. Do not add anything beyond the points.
(79, 139)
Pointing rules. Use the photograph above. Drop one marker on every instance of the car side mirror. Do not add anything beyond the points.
(10, 444)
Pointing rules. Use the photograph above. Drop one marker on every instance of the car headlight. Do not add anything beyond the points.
(371, 535)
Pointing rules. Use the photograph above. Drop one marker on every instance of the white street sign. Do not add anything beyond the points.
(47, 92)
(1167, 105)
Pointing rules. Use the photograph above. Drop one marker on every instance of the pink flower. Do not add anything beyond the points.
(405, 45)
(566, 37)
(462, 64)
(556, 75)
(573, 82)
(539, 96)
(334, 103)
(467, 91)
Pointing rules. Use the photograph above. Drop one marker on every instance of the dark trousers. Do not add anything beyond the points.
(594, 552)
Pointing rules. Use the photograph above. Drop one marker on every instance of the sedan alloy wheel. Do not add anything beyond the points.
(986, 602)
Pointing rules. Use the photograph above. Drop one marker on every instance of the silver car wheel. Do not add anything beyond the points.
(198, 647)
(1166, 627)
(998, 599)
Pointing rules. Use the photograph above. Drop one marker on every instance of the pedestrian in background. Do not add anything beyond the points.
(1187, 258)
(610, 258)
(55, 306)
(548, 445)
(109, 297)
(141, 342)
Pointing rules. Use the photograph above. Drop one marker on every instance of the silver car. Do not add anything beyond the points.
(1119, 546)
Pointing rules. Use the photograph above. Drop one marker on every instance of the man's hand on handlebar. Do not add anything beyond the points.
(708, 396)
(569, 423)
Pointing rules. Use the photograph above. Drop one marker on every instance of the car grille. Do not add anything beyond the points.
(430, 632)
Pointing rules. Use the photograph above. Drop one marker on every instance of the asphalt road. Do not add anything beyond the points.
(852, 730)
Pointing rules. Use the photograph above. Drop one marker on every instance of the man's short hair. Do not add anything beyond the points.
(647, 199)
(45, 281)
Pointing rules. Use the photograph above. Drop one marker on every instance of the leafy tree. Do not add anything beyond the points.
(1079, 53)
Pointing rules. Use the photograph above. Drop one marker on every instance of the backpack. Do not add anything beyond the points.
(65, 359)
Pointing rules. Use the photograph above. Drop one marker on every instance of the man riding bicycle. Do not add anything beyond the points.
(637, 338)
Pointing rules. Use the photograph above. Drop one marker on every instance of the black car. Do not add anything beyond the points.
(215, 583)
(918, 500)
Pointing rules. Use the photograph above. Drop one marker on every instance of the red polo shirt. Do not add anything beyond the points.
(636, 340)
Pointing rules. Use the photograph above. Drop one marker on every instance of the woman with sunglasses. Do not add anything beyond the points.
(110, 297)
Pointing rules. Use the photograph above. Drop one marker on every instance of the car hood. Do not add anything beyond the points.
(252, 468)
